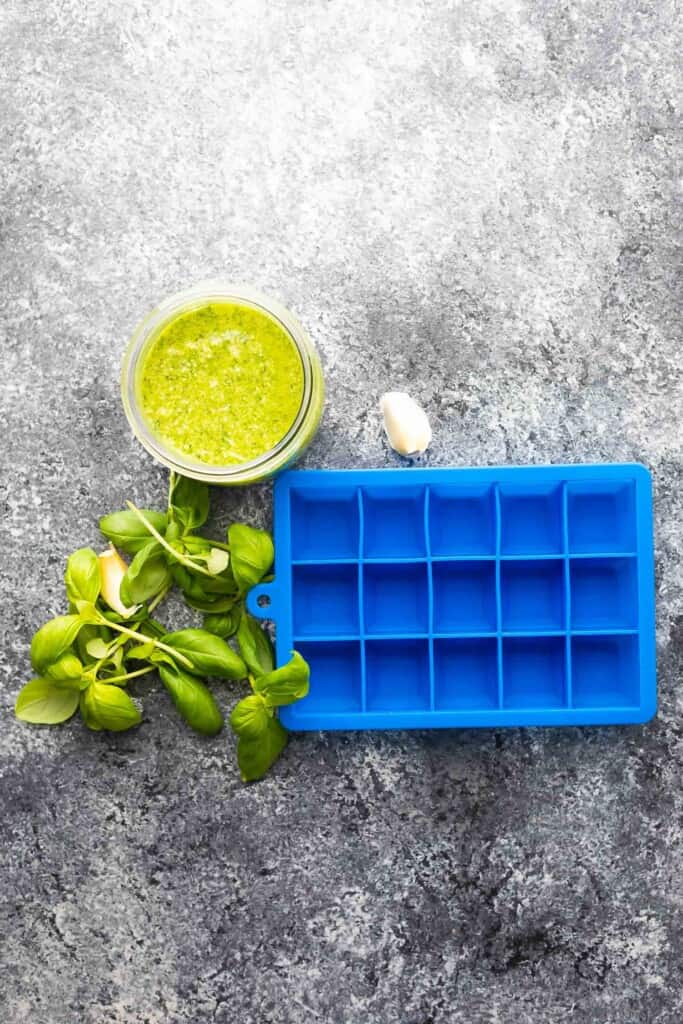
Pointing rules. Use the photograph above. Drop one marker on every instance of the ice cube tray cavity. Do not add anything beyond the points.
(465, 597)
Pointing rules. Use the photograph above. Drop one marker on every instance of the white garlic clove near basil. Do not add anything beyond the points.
(112, 570)
(405, 423)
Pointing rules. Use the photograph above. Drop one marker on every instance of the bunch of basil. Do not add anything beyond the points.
(83, 659)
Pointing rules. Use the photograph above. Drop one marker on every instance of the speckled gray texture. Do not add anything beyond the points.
(476, 201)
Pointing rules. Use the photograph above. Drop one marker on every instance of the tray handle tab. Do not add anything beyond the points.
(262, 601)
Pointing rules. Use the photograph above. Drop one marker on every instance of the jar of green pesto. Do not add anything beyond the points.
(222, 384)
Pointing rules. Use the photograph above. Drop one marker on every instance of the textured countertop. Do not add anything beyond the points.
(473, 201)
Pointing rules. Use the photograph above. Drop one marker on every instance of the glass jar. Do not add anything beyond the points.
(305, 422)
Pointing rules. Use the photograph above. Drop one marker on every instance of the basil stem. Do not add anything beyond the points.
(141, 638)
(164, 543)
(128, 675)
(163, 593)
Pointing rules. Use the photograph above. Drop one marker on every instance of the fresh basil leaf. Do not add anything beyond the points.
(109, 707)
(126, 532)
(209, 654)
(255, 645)
(250, 716)
(193, 699)
(143, 652)
(98, 648)
(82, 577)
(114, 662)
(286, 684)
(110, 656)
(200, 558)
(158, 657)
(200, 587)
(44, 702)
(68, 667)
(53, 640)
(190, 584)
(87, 713)
(256, 754)
(90, 632)
(251, 554)
(173, 533)
(195, 545)
(88, 613)
(189, 502)
(211, 604)
(223, 584)
(146, 575)
(225, 623)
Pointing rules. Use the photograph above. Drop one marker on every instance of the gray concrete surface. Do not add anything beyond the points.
(476, 201)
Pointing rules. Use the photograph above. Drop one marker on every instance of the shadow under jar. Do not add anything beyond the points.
(222, 384)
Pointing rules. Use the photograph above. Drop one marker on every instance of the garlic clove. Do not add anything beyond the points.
(405, 423)
(112, 570)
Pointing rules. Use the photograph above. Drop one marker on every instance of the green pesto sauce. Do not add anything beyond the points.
(221, 384)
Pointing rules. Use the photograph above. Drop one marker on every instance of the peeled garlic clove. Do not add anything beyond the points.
(405, 423)
(112, 570)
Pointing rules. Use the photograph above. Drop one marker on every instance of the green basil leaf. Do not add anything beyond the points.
(200, 587)
(88, 613)
(86, 712)
(43, 702)
(190, 584)
(255, 646)
(109, 707)
(250, 716)
(286, 684)
(98, 648)
(173, 533)
(256, 754)
(126, 532)
(115, 660)
(53, 640)
(199, 561)
(146, 575)
(68, 667)
(223, 584)
(90, 632)
(209, 654)
(195, 545)
(158, 657)
(211, 604)
(189, 502)
(193, 699)
(251, 554)
(82, 577)
(225, 623)
(142, 652)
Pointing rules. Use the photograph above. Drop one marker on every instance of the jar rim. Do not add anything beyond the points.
(200, 294)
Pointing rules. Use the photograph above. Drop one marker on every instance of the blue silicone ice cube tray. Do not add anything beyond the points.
(465, 597)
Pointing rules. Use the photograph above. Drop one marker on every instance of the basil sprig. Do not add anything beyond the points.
(83, 659)
(260, 736)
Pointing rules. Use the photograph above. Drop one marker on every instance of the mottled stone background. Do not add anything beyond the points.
(476, 201)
